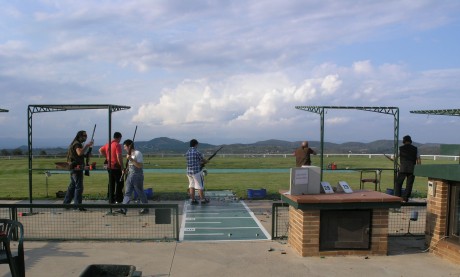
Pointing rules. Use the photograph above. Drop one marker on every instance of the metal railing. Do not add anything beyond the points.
(98, 222)
(410, 219)
(280, 220)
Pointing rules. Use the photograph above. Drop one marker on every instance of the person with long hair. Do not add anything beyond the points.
(76, 160)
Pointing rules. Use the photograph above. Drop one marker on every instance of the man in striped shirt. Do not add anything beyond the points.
(195, 163)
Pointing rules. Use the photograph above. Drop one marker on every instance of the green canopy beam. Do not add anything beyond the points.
(452, 112)
(3, 111)
(384, 110)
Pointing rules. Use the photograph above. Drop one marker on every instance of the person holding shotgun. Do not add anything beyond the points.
(302, 155)
(115, 168)
(195, 163)
(135, 176)
(408, 158)
(76, 160)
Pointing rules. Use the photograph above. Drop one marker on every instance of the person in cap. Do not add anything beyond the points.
(135, 177)
(408, 158)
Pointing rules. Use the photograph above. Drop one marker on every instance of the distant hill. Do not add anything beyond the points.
(172, 146)
(167, 145)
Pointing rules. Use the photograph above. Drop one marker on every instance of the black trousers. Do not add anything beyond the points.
(116, 183)
(409, 184)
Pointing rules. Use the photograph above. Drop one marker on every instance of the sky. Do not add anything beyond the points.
(229, 71)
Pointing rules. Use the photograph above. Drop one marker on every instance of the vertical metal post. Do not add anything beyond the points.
(29, 143)
(176, 208)
(274, 216)
(395, 147)
(322, 141)
(110, 156)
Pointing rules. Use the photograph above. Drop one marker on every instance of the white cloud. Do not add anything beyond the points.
(363, 67)
(337, 120)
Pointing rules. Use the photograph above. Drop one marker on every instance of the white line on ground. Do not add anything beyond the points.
(223, 228)
(212, 234)
(224, 217)
(194, 222)
(256, 220)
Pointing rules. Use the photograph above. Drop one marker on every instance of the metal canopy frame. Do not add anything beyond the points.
(3, 111)
(384, 110)
(60, 108)
(450, 112)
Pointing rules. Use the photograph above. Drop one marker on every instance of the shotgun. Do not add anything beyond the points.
(390, 158)
(88, 153)
(212, 156)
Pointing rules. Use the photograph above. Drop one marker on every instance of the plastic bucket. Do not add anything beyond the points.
(148, 192)
(256, 193)
(392, 192)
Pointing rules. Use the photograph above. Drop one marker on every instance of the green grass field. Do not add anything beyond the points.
(14, 178)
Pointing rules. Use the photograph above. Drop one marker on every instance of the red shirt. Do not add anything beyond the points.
(115, 151)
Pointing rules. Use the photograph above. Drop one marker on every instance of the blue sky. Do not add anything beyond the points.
(230, 71)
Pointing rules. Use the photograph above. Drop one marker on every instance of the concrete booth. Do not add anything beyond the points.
(327, 221)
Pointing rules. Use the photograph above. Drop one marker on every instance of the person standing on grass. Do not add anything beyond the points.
(302, 155)
(408, 158)
(195, 163)
(115, 168)
(76, 160)
(135, 177)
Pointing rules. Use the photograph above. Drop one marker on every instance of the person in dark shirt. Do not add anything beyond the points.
(408, 158)
(302, 155)
(76, 160)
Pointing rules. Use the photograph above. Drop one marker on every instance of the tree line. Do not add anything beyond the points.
(18, 152)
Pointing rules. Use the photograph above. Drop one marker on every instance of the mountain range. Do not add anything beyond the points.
(165, 145)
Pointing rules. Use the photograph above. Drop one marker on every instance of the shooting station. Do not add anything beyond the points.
(344, 222)
(32, 109)
(442, 231)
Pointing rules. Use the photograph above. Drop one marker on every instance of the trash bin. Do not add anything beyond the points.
(99, 270)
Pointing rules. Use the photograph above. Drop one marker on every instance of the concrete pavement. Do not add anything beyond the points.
(407, 257)
(258, 258)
